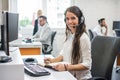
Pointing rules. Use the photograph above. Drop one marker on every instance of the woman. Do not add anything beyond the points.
(39, 13)
(77, 47)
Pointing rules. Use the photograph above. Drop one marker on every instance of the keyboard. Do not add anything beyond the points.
(35, 70)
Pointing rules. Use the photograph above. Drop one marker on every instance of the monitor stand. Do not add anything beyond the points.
(4, 58)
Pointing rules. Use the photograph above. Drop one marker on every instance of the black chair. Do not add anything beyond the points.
(117, 31)
(45, 46)
(104, 51)
(91, 35)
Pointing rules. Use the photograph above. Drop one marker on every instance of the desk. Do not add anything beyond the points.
(13, 70)
(34, 48)
(118, 59)
(55, 75)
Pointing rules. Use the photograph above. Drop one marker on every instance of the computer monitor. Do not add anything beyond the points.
(12, 25)
(116, 25)
(9, 30)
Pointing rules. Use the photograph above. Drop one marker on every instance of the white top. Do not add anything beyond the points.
(98, 30)
(86, 55)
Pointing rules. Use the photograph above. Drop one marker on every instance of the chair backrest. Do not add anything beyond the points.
(91, 35)
(52, 37)
(104, 50)
(45, 48)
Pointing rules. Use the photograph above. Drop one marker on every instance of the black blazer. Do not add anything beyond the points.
(35, 26)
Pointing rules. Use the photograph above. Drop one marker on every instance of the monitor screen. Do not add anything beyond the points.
(116, 25)
(12, 26)
(9, 30)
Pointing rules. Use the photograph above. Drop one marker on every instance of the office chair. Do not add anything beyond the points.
(104, 51)
(117, 31)
(45, 46)
(91, 35)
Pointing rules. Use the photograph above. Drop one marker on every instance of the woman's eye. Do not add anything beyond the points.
(72, 18)
(67, 19)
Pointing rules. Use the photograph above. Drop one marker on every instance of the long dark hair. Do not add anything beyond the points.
(76, 51)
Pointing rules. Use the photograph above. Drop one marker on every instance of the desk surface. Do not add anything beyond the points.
(20, 43)
(33, 48)
(55, 75)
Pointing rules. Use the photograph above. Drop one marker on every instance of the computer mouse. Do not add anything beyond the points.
(29, 60)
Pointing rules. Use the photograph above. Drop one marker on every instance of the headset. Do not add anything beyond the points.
(82, 19)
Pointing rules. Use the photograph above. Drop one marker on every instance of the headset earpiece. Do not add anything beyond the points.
(65, 20)
(82, 19)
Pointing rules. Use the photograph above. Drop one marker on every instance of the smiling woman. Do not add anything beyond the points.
(76, 51)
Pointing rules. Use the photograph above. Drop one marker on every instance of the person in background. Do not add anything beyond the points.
(76, 52)
(36, 24)
(101, 29)
(44, 33)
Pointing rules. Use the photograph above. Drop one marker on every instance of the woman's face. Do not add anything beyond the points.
(71, 21)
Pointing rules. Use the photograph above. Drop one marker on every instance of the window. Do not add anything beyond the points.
(53, 9)
(55, 12)
(27, 11)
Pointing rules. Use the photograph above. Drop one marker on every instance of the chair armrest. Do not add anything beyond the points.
(45, 49)
(45, 46)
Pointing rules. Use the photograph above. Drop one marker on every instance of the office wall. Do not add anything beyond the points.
(96, 9)
(0, 11)
(4, 4)
(3, 7)
(13, 6)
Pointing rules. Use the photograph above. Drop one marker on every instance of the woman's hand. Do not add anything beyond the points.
(59, 67)
(106, 26)
(47, 60)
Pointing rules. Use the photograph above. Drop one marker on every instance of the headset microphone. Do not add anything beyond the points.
(73, 26)
(76, 26)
